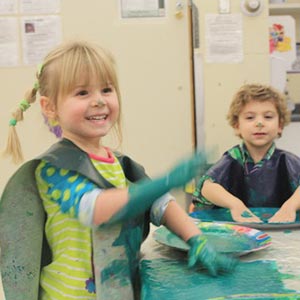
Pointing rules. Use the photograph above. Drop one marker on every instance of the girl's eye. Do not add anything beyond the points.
(249, 117)
(82, 93)
(107, 90)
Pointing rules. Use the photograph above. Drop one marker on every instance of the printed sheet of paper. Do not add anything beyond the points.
(9, 56)
(40, 6)
(142, 8)
(39, 35)
(8, 7)
(224, 38)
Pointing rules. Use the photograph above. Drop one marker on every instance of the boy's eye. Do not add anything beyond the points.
(269, 117)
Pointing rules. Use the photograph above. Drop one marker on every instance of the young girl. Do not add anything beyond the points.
(255, 173)
(98, 202)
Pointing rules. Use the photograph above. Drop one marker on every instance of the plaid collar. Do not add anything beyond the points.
(241, 154)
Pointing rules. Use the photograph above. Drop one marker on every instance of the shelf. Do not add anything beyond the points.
(284, 8)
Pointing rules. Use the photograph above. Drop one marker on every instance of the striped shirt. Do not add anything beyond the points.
(70, 275)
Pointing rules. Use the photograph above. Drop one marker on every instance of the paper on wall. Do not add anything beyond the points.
(8, 7)
(9, 56)
(39, 6)
(39, 35)
(224, 38)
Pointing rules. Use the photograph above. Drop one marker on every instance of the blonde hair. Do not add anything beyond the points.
(261, 93)
(62, 69)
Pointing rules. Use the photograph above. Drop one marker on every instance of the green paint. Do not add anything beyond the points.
(117, 269)
(246, 214)
(226, 238)
(290, 296)
(172, 280)
(223, 215)
(29, 213)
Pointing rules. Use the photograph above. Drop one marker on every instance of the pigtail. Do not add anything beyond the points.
(13, 145)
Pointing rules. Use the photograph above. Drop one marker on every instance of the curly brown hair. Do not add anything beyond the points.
(261, 93)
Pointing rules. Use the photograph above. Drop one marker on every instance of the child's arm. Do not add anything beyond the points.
(117, 205)
(216, 194)
(176, 219)
(287, 212)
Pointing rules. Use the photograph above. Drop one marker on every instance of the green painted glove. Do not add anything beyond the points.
(204, 253)
(144, 193)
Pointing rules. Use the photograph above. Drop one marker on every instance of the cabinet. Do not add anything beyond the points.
(284, 8)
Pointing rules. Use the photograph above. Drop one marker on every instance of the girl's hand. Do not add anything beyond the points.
(186, 170)
(241, 213)
(204, 253)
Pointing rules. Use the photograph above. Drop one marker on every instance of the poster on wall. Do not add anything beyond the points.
(8, 7)
(282, 39)
(9, 56)
(224, 38)
(142, 8)
(39, 6)
(39, 36)
(28, 30)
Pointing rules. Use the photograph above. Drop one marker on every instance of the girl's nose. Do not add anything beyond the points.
(99, 102)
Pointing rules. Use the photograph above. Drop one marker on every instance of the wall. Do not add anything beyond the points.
(153, 59)
(221, 80)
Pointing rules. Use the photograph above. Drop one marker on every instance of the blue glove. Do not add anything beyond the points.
(144, 193)
(204, 253)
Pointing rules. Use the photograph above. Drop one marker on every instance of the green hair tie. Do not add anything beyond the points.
(36, 85)
(12, 122)
(39, 69)
(24, 105)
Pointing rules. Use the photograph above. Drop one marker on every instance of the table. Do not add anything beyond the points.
(271, 273)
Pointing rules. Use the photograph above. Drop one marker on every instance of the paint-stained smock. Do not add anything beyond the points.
(83, 258)
(268, 183)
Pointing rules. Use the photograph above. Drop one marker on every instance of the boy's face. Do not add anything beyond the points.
(258, 124)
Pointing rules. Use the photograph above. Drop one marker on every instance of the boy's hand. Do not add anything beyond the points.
(241, 213)
(283, 215)
(204, 253)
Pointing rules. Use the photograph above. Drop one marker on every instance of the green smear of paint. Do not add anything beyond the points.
(172, 280)
(246, 214)
(223, 214)
(290, 296)
(226, 238)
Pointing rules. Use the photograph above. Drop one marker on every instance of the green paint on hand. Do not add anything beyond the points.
(246, 214)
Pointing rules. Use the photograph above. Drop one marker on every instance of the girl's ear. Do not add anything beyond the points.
(48, 108)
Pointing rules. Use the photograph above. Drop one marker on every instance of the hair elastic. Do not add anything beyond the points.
(36, 86)
(12, 122)
(39, 69)
(24, 105)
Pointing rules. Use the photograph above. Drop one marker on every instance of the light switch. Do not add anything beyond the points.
(224, 6)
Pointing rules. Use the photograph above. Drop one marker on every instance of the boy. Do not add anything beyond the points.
(254, 173)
